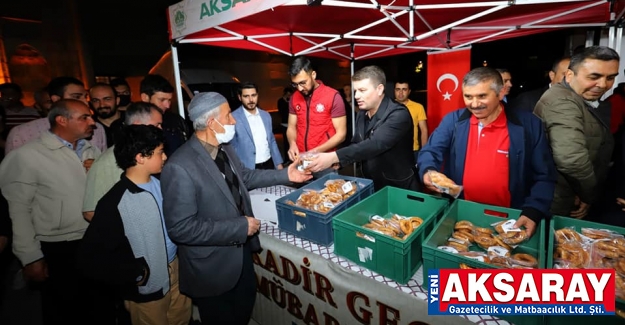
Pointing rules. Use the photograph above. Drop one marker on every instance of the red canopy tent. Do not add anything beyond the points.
(359, 29)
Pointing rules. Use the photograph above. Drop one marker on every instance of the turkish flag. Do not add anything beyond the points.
(445, 72)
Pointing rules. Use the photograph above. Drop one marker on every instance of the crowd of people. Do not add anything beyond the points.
(126, 213)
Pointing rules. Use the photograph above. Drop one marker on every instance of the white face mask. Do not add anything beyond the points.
(227, 136)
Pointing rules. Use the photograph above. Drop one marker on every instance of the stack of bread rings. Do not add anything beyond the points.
(498, 246)
(337, 186)
(327, 198)
(592, 248)
(396, 226)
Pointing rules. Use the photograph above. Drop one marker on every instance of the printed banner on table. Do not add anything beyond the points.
(296, 287)
(445, 72)
(521, 292)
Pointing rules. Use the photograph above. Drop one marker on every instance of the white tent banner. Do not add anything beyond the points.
(191, 16)
(299, 287)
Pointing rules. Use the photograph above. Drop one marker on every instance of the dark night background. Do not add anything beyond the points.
(126, 38)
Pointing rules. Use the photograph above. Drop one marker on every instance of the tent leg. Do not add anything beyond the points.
(353, 111)
(618, 44)
(178, 85)
(353, 117)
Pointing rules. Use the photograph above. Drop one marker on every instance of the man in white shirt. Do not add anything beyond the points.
(254, 141)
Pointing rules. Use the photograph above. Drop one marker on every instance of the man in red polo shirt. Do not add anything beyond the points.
(500, 156)
(317, 120)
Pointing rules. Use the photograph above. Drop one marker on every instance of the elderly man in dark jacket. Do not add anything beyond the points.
(578, 127)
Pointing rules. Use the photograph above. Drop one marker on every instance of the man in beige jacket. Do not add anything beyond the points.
(44, 184)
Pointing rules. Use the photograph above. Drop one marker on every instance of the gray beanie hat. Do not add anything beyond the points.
(204, 102)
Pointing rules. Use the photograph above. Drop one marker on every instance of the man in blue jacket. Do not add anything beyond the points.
(253, 140)
(500, 156)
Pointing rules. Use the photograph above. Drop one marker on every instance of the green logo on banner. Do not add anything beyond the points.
(179, 19)
(217, 6)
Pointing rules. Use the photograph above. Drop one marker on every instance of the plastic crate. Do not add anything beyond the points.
(315, 226)
(480, 215)
(395, 259)
(558, 222)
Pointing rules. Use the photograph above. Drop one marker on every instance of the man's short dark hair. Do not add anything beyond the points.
(482, 74)
(602, 53)
(58, 85)
(154, 83)
(11, 85)
(136, 139)
(556, 63)
(139, 112)
(60, 108)
(246, 85)
(119, 82)
(502, 71)
(287, 90)
(300, 63)
(372, 72)
(402, 81)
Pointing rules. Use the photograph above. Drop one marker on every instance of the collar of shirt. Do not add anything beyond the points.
(593, 103)
(80, 145)
(248, 114)
(499, 122)
(212, 150)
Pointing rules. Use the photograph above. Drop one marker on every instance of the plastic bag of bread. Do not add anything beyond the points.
(498, 250)
(342, 187)
(444, 184)
(523, 260)
(305, 159)
(600, 233)
(571, 255)
(509, 234)
(458, 245)
(309, 199)
(605, 248)
(568, 234)
(397, 226)
(500, 261)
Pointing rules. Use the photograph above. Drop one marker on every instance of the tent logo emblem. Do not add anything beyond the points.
(320, 108)
(180, 20)
(447, 95)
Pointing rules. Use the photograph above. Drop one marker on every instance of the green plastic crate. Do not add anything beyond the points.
(480, 215)
(558, 222)
(395, 259)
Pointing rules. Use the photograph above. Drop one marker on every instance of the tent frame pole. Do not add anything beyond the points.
(174, 60)
(353, 111)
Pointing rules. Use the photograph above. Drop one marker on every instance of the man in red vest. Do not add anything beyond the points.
(317, 120)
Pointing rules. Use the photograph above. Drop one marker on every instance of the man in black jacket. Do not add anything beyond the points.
(382, 139)
(527, 101)
(157, 90)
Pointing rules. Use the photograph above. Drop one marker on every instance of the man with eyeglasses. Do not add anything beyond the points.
(104, 103)
(317, 120)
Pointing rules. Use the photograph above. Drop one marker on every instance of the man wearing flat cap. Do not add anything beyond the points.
(208, 213)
